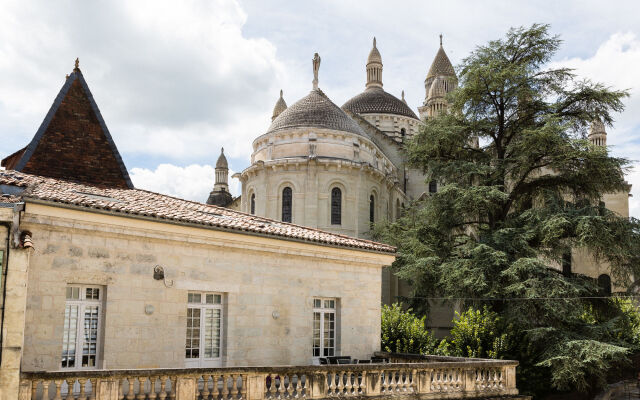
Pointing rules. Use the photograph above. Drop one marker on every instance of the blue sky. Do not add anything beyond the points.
(175, 81)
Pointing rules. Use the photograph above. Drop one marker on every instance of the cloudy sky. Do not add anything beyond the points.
(177, 80)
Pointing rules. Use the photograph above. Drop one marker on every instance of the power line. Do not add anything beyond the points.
(527, 298)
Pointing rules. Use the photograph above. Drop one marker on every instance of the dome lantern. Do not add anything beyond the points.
(374, 68)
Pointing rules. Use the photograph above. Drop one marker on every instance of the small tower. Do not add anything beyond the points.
(220, 195)
(441, 79)
(374, 68)
(280, 106)
(597, 133)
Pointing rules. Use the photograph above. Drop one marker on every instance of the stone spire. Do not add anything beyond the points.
(280, 106)
(374, 68)
(316, 67)
(220, 195)
(441, 79)
(403, 99)
(597, 133)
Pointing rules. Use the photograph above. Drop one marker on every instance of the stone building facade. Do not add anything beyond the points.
(99, 275)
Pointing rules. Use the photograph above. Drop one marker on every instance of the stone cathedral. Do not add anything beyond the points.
(341, 169)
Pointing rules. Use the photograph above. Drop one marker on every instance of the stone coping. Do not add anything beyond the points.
(284, 369)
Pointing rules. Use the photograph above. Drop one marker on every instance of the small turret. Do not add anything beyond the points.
(220, 195)
(597, 133)
(280, 106)
(374, 68)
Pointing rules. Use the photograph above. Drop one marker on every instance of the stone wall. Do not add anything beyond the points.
(258, 276)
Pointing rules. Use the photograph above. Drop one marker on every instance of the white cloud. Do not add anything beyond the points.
(173, 80)
(615, 63)
(193, 182)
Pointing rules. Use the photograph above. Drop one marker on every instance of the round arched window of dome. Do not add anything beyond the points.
(287, 203)
(372, 210)
(403, 132)
(336, 206)
(253, 203)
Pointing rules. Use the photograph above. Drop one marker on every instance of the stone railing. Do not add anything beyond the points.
(427, 380)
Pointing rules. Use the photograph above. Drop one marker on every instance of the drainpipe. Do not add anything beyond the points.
(12, 228)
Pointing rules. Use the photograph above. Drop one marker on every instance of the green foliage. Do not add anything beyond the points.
(403, 332)
(511, 207)
(479, 334)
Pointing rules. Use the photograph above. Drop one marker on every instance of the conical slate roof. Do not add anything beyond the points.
(280, 106)
(318, 111)
(222, 160)
(376, 101)
(441, 65)
(374, 54)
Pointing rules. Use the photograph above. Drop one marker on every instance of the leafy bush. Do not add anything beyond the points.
(403, 332)
(478, 333)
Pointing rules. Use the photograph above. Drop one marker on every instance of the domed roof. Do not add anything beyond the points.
(222, 160)
(438, 88)
(376, 101)
(441, 65)
(279, 107)
(374, 54)
(318, 111)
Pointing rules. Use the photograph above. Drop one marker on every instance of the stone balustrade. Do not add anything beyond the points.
(429, 379)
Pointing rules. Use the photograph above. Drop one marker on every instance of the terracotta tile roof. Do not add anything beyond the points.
(136, 202)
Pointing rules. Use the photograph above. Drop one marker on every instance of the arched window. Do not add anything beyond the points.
(253, 203)
(287, 200)
(566, 263)
(403, 132)
(604, 282)
(336, 206)
(372, 208)
(433, 187)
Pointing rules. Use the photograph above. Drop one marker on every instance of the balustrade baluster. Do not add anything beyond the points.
(205, 387)
(58, 384)
(152, 388)
(242, 391)
(142, 382)
(82, 395)
(70, 383)
(363, 383)
(225, 387)
(34, 390)
(281, 388)
(94, 388)
(163, 387)
(130, 394)
(172, 393)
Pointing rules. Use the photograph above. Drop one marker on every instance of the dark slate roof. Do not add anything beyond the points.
(19, 164)
(318, 111)
(161, 208)
(377, 101)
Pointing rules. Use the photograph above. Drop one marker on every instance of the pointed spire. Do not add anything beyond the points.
(403, 99)
(280, 106)
(220, 195)
(441, 40)
(374, 42)
(77, 67)
(316, 68)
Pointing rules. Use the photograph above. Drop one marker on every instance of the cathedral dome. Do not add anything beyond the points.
(318, 111)
(376, 101)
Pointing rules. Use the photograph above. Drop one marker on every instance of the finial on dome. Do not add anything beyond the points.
(441, 40)
(316, 68)
(222, 150)
(77, 64)
(374, 41)
(403, 99)
(281, 93)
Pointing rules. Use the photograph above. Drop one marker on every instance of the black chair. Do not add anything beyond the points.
(323, 361)
(339, 360)
(363, 362)
(378, 360)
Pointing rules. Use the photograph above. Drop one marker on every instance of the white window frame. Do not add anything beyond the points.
(202, 361)
(82, 302)
(323, 310)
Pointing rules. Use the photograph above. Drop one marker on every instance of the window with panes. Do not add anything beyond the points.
(336, 206)
(324, 327)
(81, 329)
(204, 329)
(287, 202)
